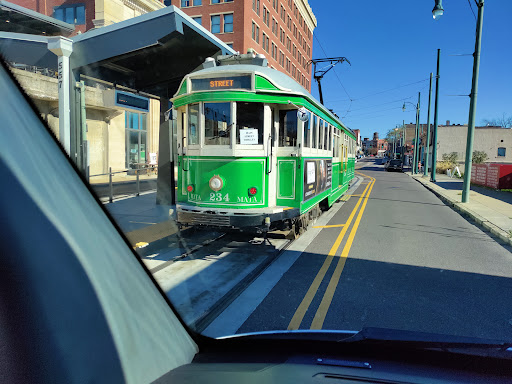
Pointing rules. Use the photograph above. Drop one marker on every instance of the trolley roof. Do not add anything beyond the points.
(280, 80)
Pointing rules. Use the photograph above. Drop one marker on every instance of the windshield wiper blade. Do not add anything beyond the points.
(372, 335)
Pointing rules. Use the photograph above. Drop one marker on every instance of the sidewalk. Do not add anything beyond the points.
(142, 220)
(490, 209)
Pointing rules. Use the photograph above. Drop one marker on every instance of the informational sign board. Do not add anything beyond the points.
(131, 101)
(152, 158)
(222, 83)
(249, 136)
(317, 177)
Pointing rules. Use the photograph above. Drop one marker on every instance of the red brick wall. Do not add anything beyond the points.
(244, 15)
(207, 9)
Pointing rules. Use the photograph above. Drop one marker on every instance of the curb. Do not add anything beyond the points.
(479, 220)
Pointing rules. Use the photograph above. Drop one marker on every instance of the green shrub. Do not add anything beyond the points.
(450, 157)
(479, 157)
(443, 166)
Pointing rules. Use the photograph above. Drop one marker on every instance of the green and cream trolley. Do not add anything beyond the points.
(255, 149)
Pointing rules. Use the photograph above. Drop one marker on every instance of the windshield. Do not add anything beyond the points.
(226, 154)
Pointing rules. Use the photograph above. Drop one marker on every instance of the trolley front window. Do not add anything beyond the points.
(249, 123)
(193, 124)
(217, 123)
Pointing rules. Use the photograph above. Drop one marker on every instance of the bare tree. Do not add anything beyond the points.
(504, 121)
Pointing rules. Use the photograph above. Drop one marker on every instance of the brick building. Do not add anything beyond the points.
(282, 30)
(88, 14)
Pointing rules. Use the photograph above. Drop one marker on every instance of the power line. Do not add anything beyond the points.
(471, 7)
(388, 90)
(389, 102)
(371, 113)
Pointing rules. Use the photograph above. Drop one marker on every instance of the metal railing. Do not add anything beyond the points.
(35, 69)
(99, 187)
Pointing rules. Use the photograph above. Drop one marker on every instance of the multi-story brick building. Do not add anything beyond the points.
(88, 14)
(280, 29)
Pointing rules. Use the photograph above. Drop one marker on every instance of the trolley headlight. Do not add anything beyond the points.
(253, 191)
(190, 188)
(216, 183)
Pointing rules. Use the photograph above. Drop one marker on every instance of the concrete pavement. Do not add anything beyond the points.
(490, 209)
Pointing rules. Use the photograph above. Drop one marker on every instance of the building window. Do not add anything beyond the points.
(287, 65)
(215, 2)
(136, 139)
(197, 3)
(72, 14)
(228, 23)
(255, 32)
(215, 24)
(265, 41)
(198, 20)
(266, 15)
(230, 45)
(256, 6)
(502, 152)
(185, 3)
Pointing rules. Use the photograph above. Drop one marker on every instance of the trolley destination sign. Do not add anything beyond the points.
(222, 83)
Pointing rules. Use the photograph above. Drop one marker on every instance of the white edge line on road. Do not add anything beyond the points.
(234, 316)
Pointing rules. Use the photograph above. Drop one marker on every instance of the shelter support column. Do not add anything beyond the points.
(63, 48)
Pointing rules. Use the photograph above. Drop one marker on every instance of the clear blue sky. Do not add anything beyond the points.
(394, 43)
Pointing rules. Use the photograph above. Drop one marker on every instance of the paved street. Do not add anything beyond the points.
(393, 256)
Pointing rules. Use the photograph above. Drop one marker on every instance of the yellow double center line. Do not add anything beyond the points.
(329, 293)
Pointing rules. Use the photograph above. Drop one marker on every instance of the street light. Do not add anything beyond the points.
(416, 134)
(472, 103)
(438, 10)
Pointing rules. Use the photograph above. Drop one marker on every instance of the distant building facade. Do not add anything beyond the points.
(496, 142)
(89, 14)
(282, 30)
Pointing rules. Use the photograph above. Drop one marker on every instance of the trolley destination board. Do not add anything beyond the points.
(222, 83)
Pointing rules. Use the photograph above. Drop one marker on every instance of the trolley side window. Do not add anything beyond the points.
(249, 123)
(288, 128)
(326, 135)
(217, 123)
(314, 143)
(307, 131)
(193, 124)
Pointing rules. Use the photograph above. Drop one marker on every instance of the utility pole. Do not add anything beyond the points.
(472, 105)
(416, 137)
(434, 139)
(425, 166)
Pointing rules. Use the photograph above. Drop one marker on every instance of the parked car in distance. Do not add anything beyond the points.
(393, 165)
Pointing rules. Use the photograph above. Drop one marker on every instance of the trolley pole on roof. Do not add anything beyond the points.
(318, 74)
